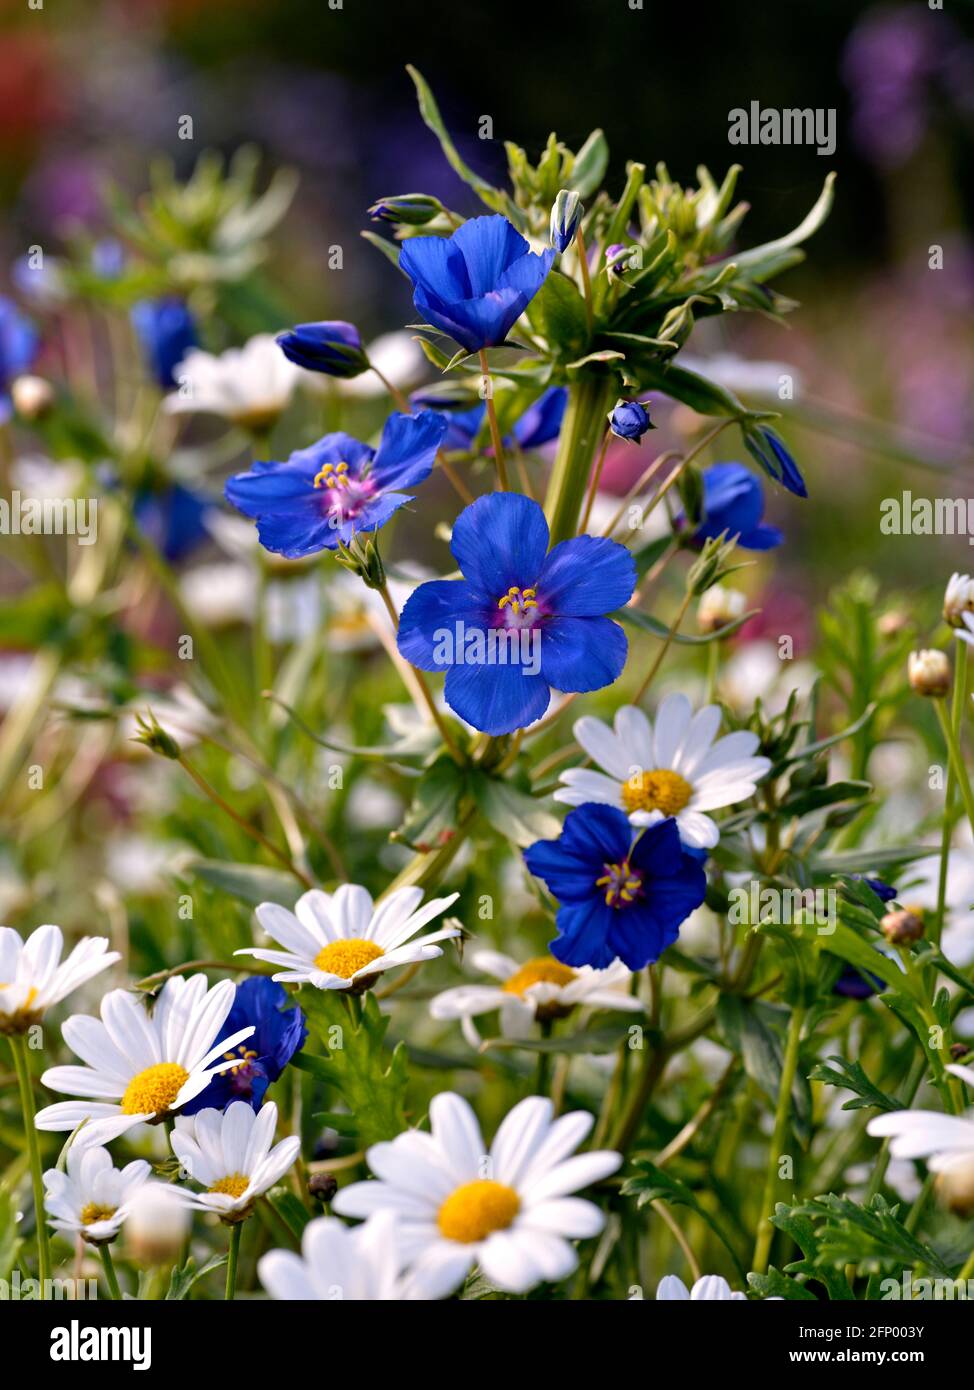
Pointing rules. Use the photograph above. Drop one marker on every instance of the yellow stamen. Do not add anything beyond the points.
(344, 957)
(235, 1185)
(473, 1211)
(93, 1212)
(659, 790)
(247, 1055)
(332, 475)
(153, 1091)
(519, 599)
(541, 970)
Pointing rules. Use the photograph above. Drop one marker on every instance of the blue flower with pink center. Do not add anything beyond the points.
(620, 896)
(278, 1034)
(523, 618)
(324, 494)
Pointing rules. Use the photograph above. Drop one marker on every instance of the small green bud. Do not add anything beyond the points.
(410, 209)
(154, 736)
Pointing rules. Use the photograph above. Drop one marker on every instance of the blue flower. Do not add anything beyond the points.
(539, 424)
(618, 897)
(566, 213)
(173, 517)
(334, 348)
(476, 284)
(854, 984)
(166, 331)
(522, 619)
(325, 493)
(733, 501)
(769, 451)
(630, 420)
(884, 891)
(278, 1034)
(18, 348)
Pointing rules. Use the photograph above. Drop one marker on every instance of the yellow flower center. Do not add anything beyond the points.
(540, 971)
(20, 1019)
(659, 790)
(153, 1091)
(476, 1209)
(93, 1212)
(234, 1185)
(621, 883)
(332, 475)
(519, 599)
(343, 958)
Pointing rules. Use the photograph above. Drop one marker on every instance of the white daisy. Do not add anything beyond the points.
(250, 386)
(966, 633)
(675, 770)
(959, 602)
(507, 1210)
(141, 1066)
(93, 1197)
(708, 1287)
(33, 977)
(339, 941)
(537, 991)
(339, 1262)
(233, 1155)
(945, 1141)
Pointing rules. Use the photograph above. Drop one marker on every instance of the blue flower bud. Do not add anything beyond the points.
(411, 209)
(566, 214)
(166, 331)
(630, 420)
(332, 347)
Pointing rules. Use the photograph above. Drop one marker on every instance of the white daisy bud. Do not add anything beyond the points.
(718, 607)
(158, 1225)
(903, 926)
(958, 600)
(32, 396)
(929, 673)
(955, 1187)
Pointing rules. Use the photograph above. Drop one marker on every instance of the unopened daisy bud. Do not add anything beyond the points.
(157, 1226)
(32, 396)
(903, 926)
(411, 209)
(718, 607)
(322, 1186)
(893, 623)
(566, 213)
(955, 1187)
(153, 735)
(958, 600)
(929, 673)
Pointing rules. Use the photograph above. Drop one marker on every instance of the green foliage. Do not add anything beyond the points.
(370, 1079)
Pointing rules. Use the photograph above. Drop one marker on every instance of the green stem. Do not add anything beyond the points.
(236, 1231)
(22, 1068)
(581, 434)
(956, 761)
(956, 713)
(968, 1271)
(111, 1278)
(789, 1066)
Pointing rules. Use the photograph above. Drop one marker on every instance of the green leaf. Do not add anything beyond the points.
(292, 1212)
(646, 623)
(809, 799)
(181, 1280)
(431, 820)
(761, 262)
(652, 1184)
(10, 1242)
(370, 1079)
(871, 1237)
(754, 1031)
(604, 1038)
(495, 199)
(811, 750)
(590, 164)
(774, 1284)
(513, 814)
(795, 1222)
(250, 883)
(558, 313)
(388, 248)
(862, 861)
(849, 1076)
(701, 395)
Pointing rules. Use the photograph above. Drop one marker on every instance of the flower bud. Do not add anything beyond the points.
(323, 1186)
(32, 396)
(410, 209)
(566, 213)
(154, 736)
(617, 260)
(718, 607)
(891, 624)
(955, 1187)
(332, 347)
(630, 420)
(958, 600)
(929, 673)
(158, 1224)
(903, 926)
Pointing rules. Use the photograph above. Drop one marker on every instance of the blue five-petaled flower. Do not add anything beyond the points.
(475, 284)
(278, 1034)
(733, 502)
(618, 896)
(326, 493)
(522, 619)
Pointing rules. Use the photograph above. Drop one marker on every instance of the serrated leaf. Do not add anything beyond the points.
(182, 1279)
(653, 1184)
(849, 1076)
(370, 1079)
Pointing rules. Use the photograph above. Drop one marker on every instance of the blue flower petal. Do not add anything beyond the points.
(587, 576)
(496, 699)
(582, 653)
(584, 934)
(408, 448)
(498, 541)
(434, 607)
